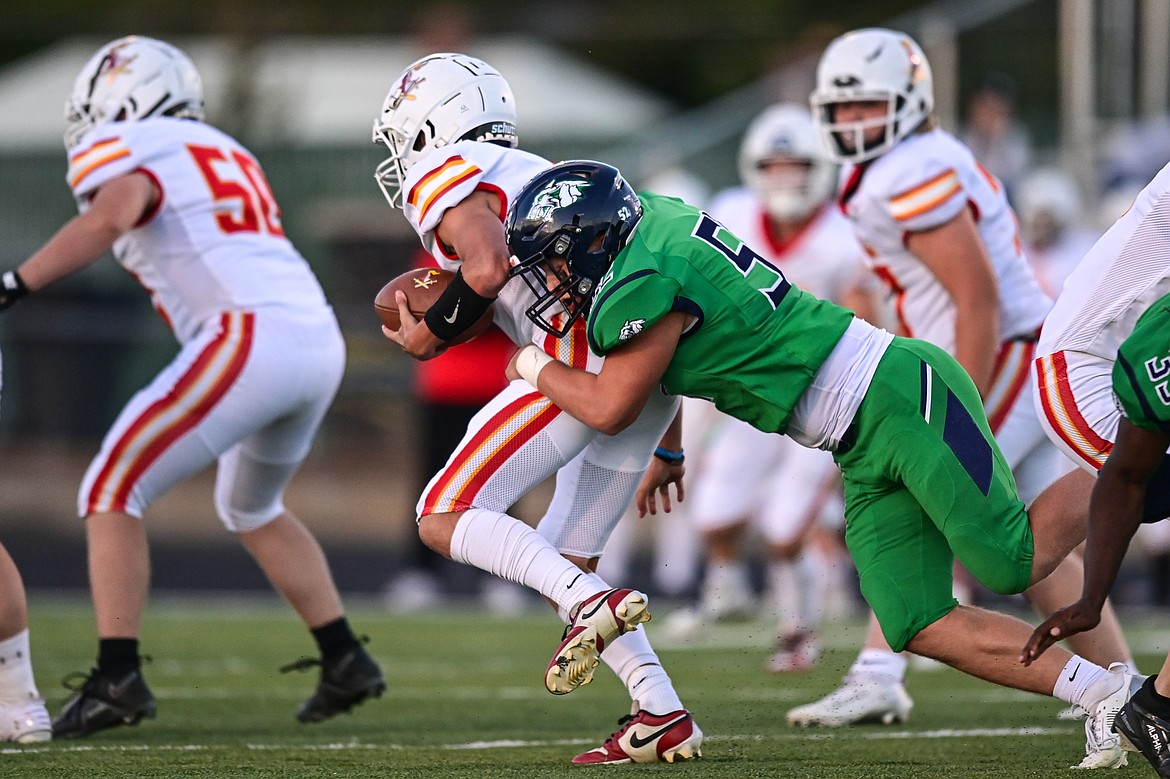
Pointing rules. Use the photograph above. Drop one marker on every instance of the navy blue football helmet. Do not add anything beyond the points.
(581, 212)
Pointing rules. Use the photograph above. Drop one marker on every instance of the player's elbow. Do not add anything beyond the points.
(614, 418)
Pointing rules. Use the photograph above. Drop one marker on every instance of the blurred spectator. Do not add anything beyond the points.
(992, 132)
(1134, 153)
(1052, 224)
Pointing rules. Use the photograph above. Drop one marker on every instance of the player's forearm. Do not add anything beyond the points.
(79, 243)
(1115, 512)
(586, 396)
(976, 344)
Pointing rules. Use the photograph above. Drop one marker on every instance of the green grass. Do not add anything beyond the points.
(466, 700)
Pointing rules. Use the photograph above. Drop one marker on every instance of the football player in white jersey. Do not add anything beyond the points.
(23, 716)
(449, 122)
(785, 211)
(1051, 220)
(188, 212)
(1103, 391)
(938, 229)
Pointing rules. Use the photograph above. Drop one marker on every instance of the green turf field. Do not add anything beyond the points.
(466, 699)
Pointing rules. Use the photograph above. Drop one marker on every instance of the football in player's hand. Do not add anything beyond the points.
(422, 287)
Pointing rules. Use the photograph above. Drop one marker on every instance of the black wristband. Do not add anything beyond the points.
(457, 309)
(669, 456)
(12, 289)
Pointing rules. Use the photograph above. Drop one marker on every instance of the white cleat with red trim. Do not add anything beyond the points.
(595, 622)
(643, 737)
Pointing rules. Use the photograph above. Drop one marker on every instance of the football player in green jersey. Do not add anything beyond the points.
(1141, 384)
(677, 302)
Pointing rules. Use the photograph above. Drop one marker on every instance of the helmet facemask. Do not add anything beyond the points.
(846, 139)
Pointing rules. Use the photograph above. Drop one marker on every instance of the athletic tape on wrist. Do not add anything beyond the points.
(530, 362)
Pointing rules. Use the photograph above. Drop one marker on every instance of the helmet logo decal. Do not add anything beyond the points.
(112, 65)
(846, 81)
(556, 195)
(877, 52)
(408, 84)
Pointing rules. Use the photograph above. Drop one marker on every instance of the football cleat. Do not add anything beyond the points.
(860, 700)
(1145, 732)
(346, 680)
(25, 723)
(595, 622)
(643, 737)
(1102, 743)
(796, 651)
(102, 702)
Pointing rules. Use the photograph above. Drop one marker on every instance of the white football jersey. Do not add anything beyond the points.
(923, 183)
(215, 242)
(824, 258)
(445, 178)
(1127, 269)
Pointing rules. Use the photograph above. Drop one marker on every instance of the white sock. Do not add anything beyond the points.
(814, 583)
(880, 664)
(16, 675)
(1083, 683)
(798, 586)
(631, 657)
(784, 581)
(512, 550)
(725, 583)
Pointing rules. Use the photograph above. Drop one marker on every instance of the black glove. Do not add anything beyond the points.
(12, 289)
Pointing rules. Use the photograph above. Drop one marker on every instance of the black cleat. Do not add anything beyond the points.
(102, 702)
(1147, 733)
(346, 680)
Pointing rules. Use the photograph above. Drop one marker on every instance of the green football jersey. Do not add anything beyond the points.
(1141, 375)
(757, 342)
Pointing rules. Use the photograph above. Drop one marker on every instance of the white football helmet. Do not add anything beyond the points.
(1050, 191)
(439, 100)
(872, 64)
(786, 132)
(130, 79)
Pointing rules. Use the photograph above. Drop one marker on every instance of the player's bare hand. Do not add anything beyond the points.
(415, 339)
(656, 484)
(1069, 621)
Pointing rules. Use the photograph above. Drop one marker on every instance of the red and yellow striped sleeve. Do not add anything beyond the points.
(84, 163)
(432, 186)
(925, 197)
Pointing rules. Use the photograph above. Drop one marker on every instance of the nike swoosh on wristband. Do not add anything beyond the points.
(637, 743)
(451, 319)
(576, 579)
(1074, 673)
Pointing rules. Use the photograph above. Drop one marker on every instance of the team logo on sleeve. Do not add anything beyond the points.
(631, 328)
(557, 195)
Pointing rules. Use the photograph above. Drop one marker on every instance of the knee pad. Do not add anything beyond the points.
(248, 493)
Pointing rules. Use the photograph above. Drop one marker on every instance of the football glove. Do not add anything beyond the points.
(12, 289)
